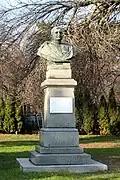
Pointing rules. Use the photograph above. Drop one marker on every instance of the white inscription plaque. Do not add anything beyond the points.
(61, 105)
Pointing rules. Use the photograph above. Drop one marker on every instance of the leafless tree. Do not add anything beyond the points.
(92, 26)
(23, 16)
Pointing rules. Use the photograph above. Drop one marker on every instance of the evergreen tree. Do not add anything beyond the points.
(88, 121)
(88, 117)
(112, 111)
(104, 123)
(116, 128)
(9, 120)
(96, 129)
(79, 110)
(78, 120)
(2, 112)
(18, 116)
(114, 114)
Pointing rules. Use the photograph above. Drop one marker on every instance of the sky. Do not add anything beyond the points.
(13, 2)
(2, 1)
(5, 2)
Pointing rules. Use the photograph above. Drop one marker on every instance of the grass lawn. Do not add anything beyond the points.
(104, 149)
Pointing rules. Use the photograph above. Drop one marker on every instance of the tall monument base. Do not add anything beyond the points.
(59, 150)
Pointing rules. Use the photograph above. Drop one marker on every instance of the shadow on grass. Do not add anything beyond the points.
(16, 174)
(8, 159)
(92, 139)
(9, 170)
(103, 151)
(18, 143)
(82, 139)
(108, 156)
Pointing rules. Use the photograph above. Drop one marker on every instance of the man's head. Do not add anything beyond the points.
(57, 33)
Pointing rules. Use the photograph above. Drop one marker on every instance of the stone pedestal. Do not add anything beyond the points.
(59, 148)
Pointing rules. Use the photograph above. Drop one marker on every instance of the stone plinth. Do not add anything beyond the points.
(94, 166)
(58, 149)
(58, 88)
(61, 70)
(59, 137)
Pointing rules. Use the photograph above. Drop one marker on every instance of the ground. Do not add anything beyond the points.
(106, 149)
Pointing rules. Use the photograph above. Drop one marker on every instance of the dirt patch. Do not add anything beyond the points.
(113, 162)
(99, 145)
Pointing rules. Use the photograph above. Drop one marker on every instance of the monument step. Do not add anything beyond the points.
(57, 82)
(52, 159)
(59, 150)
(64, 129)
(94, 166)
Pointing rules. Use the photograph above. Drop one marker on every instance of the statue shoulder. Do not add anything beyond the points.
(43, 48)
(44, 44)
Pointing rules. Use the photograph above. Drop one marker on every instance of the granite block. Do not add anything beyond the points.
(94, 166)
(59, 137)
(52, 159)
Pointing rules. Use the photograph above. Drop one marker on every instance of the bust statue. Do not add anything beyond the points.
(54, 51)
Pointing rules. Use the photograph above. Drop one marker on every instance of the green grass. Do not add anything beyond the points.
(14, 146)
(99, 141)
(92, 138)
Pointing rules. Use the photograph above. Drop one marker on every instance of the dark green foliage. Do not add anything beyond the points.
(2, 112)
(84, 111)
(96, 129)
(79, 110)
(13, 115)
(112, 111)
(91, 119)
(88, 113)
(115, 129)
(9, 120)
(18, 116)
(104, 123)
(78, 120)
(88, 121)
